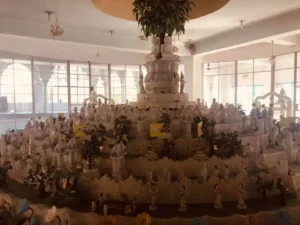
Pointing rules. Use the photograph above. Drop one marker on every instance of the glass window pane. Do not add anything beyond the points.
(245, 91)
(227, 68)
(285, 61)
(245, 66)
(211, 88)
(226, 89)
(262, 64)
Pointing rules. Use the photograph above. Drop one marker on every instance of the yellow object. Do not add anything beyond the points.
(62, 115)
(200, 129)
(155, 129)
(124, 138)
(78, 131)
(143, 219)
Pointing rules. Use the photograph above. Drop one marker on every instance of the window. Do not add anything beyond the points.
(99, 79)
(118, 84)
(79, 83)
(132, 83)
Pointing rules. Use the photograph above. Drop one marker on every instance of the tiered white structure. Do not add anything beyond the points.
(163, 85)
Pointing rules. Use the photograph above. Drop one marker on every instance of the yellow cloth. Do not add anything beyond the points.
(200, 129)
(155, 129)
(143, 219)
(62, 115)
(78, 131)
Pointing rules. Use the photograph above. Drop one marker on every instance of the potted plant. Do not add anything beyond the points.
(39, 178)
(122, 127)
(166, 120)
(91, 148)
(160, 17)
(4, 168)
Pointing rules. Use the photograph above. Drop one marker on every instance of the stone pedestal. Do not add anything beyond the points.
(118, 167)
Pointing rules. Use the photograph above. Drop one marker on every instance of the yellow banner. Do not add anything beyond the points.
(78, 131)
(200, 129)
(155, 129)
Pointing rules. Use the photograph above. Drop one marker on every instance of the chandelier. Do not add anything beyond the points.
(56, 30)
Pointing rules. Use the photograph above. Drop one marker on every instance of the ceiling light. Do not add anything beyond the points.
(56, 30)
(97, 56)
(242, 24)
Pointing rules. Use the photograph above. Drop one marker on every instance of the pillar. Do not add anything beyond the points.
(45, 91)
(122, 76)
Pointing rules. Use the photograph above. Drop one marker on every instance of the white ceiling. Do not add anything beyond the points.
(81, 16)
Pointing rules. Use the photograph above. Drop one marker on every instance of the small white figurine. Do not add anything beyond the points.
(134, 204)
(153, 194)
(272, 137)
(218, 202)
(94, 206)
(226, 173)
(248, 150)
(242, 195)
(215, 172)
(262, 164)
(128, 210)
(141, 83)
(183, 199)
(203, 172)
(182, 83)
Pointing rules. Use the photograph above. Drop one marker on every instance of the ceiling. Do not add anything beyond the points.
(86, 25)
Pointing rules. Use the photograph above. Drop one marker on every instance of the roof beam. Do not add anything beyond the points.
(275, 27)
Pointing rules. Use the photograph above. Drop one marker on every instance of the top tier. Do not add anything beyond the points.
(160, 76)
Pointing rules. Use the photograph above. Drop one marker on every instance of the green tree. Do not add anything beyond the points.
(162, 17)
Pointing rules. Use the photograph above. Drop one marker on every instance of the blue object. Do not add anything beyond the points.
(23, 206)
(198, 221)
(284, 218)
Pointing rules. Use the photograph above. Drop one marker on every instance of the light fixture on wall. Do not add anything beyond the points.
(97, 56)
(208, 67)
(272, 58)
(241, 24)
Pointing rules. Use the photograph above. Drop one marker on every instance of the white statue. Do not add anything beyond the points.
(248, 150)
(272, 137)
(203, 172)
(262, 164)
(226, 173)
(168, 48)
(183, 198)
(215, 173)
(141, 83)
(155, 45)
(291, 153)
(153, 194)
(182, 83)
(218, 202)
(242, 195)
(298, 154)
(175, 84)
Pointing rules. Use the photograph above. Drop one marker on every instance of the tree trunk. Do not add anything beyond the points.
(41, 189)
(162, 41)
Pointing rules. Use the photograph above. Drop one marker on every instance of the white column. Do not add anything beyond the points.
(69, 88)
(193, 72)
(109, 82)
(32, 88)
(90, 79)
(295, 84)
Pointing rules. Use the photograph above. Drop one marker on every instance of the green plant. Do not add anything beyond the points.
(160, 17)
(39, 178)
(122, 127)
(229, 144)
(4, 168)
(91, 146)
(166, 120)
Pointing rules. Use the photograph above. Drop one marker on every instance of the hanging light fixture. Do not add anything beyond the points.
(272, 59)
(97, 56)
(242, 24)
(56, 30)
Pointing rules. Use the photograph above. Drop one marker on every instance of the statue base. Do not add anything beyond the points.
(152, 207)
(182, 209)
(170, 100)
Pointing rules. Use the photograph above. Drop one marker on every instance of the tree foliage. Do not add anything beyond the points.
(166, 120)
(91, 145)
(39, 178)
(160, 17)
(122, 126)
(230, 143)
